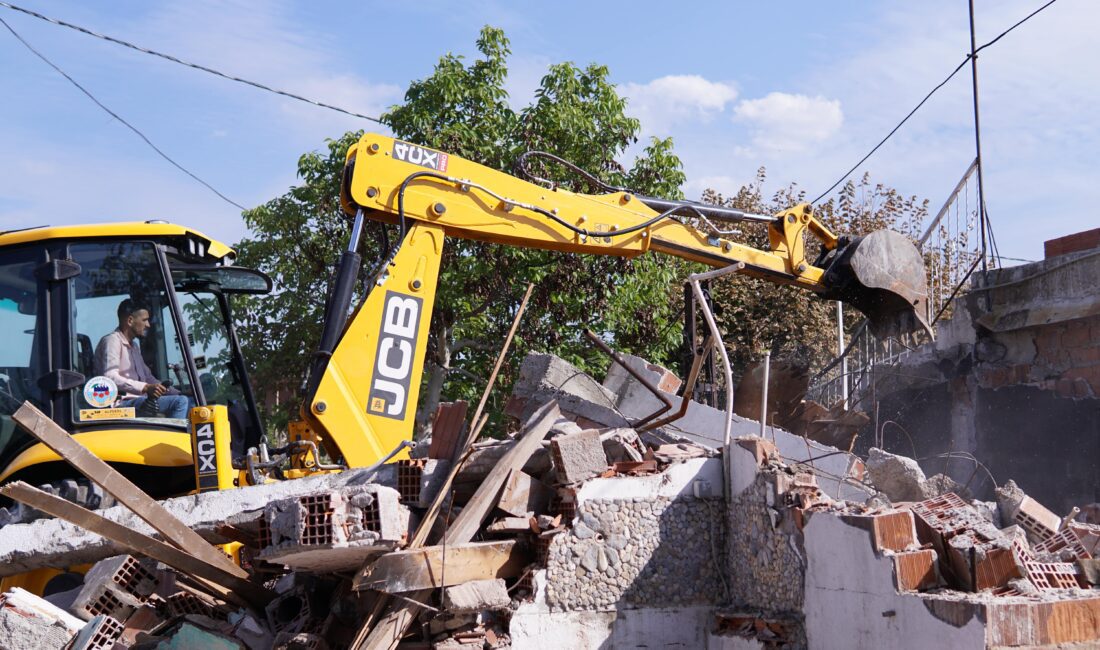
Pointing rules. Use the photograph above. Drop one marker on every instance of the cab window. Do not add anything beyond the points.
(23, 357)
(112, 272)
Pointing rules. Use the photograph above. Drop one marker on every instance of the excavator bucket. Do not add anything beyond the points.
(882, 275)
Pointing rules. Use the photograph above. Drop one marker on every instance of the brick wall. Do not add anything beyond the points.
(1067, 361)
(1080, 241)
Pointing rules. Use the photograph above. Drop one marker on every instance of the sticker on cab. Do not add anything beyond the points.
(100, 392)
(119, 413)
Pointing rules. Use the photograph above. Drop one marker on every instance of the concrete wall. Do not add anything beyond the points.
(1013, 379)
(851, 601)
(535, 626)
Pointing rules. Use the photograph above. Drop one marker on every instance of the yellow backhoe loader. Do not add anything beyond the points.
(61, 288)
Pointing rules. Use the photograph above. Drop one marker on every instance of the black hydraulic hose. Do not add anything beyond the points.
(336, 316)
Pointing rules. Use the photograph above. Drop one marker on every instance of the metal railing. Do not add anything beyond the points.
(951, 247)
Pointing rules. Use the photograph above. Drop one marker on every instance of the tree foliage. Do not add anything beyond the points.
(463, 108)
(757, 315)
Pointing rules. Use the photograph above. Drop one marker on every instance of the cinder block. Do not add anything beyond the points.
(100, 633)
(116, 587)
(419, 480)
(1037, 520)
(578, 456)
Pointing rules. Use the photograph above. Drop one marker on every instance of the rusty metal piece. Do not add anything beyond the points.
(689, 386)
(635, 467)
(606, 349)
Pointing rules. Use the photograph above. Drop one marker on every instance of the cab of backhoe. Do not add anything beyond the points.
(60, 290)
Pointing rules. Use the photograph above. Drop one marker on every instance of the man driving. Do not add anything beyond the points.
(118, 358)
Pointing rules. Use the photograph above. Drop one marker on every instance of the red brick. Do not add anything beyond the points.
(1076, 335)
(1091, 374)
(916, 570)
(894, 531)
(1079, 241)
(995, 570)
(1021, 373)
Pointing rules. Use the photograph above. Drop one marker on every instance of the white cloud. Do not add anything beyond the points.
(790, 123)
(674, 99)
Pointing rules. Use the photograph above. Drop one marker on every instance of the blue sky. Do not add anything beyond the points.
(804, 88)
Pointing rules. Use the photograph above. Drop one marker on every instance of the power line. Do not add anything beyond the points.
(169, 57)
(118, 117)
(926, 98)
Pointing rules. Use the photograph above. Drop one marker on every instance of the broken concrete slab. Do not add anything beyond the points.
(28, 622)
(524, 495)
(545, 377)
(898, 477)
(578, 456)
(56, 543)
(476, 596)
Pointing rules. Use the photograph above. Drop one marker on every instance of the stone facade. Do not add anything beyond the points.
(638, 552)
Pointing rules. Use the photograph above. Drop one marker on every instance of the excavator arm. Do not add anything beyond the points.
(365, 379)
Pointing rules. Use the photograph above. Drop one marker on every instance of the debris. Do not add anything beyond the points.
(334, 531)
(578, 456)
(28, 622)
(634, 525)
(476, 596)
(523, 495)
(437, 566)
(448, 425)
(898, 477)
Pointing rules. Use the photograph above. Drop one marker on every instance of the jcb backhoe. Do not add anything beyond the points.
(60, 289)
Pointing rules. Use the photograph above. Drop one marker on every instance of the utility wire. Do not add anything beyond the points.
(169, 57)
(926, 98)
(118, 117)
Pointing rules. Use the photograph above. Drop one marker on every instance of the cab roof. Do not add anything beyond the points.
(140, 229)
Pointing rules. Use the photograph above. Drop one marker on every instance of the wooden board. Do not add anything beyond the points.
(139, 544)
(442, 566)
(41, 427)
(389, 629)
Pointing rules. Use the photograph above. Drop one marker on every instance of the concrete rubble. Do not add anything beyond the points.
(602, 533)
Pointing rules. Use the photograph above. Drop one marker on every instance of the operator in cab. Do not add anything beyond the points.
(118, 358)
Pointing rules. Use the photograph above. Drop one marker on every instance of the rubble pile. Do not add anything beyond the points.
(590, 526)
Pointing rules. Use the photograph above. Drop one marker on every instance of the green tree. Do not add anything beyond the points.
(463, 108)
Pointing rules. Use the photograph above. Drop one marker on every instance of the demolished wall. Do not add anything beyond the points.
(1014, 380)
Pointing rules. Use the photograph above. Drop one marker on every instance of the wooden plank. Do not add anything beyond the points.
(442, 566)
(523, 493)
(175, 531)
(138, 543)
(389, 630)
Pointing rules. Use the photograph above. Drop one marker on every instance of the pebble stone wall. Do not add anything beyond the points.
(640, 552)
